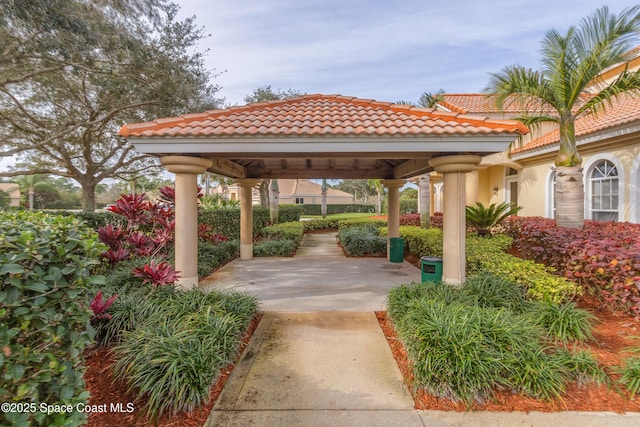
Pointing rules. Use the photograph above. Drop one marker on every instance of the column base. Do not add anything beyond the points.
(455, 282)
(187, 283)
(246, 251)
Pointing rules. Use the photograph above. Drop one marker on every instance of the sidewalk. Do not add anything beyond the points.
(319, 358)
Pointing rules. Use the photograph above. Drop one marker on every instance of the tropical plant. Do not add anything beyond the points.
(482, 219)
(557, 93)
(630, 372)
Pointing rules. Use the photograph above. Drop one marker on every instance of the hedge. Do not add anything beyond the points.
(292, 231)
(360, 222)
(46, 267)
(315, 209)
(227, 221)
(603, 257)
(487, 255)
(363, 240)
(321, 224)
(274, 248)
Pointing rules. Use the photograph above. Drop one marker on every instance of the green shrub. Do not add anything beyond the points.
(422, 241)
(316, 209)
(94, 220)
(227, 221)
(630, 375)
(364, 240)
(289, 213)
(46, 265)
(360, 222)
(564, 322)
(285, 231)
(274, 248)
(213, 256)
(173, 359)
(408, 206)
(321, 224)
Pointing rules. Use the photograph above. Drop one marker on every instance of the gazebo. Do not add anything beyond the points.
(321, 136)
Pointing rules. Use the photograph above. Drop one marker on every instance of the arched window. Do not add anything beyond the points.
(550, 210)
(603, 186)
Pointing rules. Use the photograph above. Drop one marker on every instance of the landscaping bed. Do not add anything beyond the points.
(613, 334)
(106, 391)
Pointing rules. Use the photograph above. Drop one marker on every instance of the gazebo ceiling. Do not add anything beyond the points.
(322, 136)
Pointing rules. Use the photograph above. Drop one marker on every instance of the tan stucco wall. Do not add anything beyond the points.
(533, 179)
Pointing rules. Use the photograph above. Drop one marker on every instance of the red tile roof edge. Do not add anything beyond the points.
(129, 129)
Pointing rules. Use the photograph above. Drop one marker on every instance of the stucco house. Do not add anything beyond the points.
(13, 190)
(524, 174)
(297, 191)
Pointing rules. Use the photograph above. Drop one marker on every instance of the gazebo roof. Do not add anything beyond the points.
(322, 136)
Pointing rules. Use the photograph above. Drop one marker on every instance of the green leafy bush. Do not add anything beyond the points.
(290, 213)
(175, 352)
(46, 265)
(285, 231)
(363, 240)
(213, 256)
(274, 248)
(316, 209)
(360, 222)
(321, 224)
(227, 221)
(422, 241)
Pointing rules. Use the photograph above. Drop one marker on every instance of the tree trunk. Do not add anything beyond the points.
(569, 197)
(424, 194)
(88, 197)
(275, 201)
(324, 199)
(264, 193)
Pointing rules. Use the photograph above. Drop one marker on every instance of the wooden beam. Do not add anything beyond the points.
(228, 168)
(383, 173)
(283, 163)
(411, 168)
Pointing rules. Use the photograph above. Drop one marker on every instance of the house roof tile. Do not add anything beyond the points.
(623, 110)
(321, 115)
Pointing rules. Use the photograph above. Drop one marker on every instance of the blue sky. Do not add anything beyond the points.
(385, 50)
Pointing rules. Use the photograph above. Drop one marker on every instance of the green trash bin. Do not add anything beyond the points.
(396, 249)
(431, 267)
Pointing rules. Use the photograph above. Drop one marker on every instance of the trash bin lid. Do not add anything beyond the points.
(431, 259)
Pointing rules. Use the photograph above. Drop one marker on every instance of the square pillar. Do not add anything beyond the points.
(186, 212)
(454, 169)
(246, 216)
(393, 209)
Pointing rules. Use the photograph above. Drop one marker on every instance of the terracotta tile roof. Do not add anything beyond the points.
(625, 109)
(321, 115)
(479, 103)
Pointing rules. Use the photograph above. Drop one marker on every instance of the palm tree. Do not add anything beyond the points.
(557, 93)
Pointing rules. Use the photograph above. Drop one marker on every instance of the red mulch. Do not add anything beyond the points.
(614, 335)
(104, 390)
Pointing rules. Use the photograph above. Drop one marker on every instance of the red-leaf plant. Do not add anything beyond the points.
(99, 307)
(157, 274)
(114, 256)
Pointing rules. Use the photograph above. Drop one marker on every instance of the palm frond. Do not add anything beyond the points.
(523, 87)
(627, 82)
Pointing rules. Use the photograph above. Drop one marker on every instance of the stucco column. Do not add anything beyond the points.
(454, 169)
(472, 185)
(186, 212)
(393, 209)
(246, 216)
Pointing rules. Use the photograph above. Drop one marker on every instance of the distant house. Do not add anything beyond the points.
(298, 191)
(14, 192)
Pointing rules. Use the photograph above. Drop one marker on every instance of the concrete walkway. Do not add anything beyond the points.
(318, 357)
